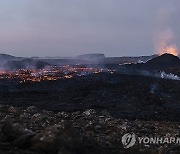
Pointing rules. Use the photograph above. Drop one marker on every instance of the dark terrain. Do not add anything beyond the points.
(89, 114)
(124, 96)
(33, 131)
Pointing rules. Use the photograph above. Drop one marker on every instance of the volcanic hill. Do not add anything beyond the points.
(160, 63)
(163, 61)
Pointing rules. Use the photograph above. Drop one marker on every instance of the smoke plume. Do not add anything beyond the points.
(164, 36)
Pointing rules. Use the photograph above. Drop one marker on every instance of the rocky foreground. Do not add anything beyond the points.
(33, 131)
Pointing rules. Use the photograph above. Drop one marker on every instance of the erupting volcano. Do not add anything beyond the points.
(171, 49)
(164, 43)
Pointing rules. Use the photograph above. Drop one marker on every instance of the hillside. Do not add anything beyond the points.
(25, 64)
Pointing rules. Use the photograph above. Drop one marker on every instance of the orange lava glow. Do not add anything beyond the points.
(172, 49)
(52, 73)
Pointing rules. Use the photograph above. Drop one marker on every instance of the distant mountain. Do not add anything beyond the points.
(125, 60)
(102, 59)
(97, 58)
(6, 56)
(25, 64)
(91, 56)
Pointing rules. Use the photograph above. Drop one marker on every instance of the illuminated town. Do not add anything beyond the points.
(51, 73)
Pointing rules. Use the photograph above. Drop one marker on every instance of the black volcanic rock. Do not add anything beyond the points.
(160, 63)
(165, 60)
(25, 64)
(78, 132)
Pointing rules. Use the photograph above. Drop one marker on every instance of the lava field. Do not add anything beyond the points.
(78, 110)
(124, 96)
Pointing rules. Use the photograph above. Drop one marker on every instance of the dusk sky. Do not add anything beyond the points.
(74, 27)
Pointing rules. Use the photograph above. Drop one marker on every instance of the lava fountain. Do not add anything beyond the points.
(164, 36)
(171, 49)
(164, 43)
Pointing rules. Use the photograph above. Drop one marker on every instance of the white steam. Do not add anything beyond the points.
(162, 75)
(169, 76)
